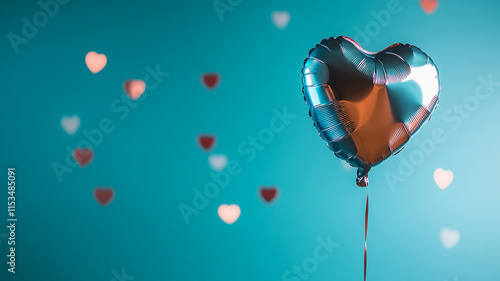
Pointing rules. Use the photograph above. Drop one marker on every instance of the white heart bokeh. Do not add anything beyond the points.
(70, 124)
(443, 178)
(217, 162)
(229, 213)
(280, 18)
(449, 237)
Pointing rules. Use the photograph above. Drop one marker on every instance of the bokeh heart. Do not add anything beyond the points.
(366, 105)
(104, 195)
(134, 88)
(95, 62)
(280, 18)
(206, 142)
(70, 124)
(443, 178)
(429, 6)
(229, 213)
(83, 156)
(217, 162)
(210, 80)
(269, 194)
(449, 237)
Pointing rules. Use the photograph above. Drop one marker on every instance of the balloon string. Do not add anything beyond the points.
(366, 228)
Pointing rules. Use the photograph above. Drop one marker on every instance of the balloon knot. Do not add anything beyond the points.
(362, 178)
(362, 181)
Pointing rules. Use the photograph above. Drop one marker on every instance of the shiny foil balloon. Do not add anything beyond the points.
(366, 105)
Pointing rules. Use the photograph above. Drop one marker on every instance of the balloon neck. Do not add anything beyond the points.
(362, 177)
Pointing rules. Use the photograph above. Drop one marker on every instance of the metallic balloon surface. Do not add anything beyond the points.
(366, 105)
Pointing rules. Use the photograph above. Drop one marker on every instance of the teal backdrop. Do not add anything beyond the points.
(152, 161)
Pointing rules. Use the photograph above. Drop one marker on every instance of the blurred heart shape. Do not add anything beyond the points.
(104, 195)
(443, 178)
(206, 142)
(70, 124)
(268, 193)
(280, 18)
(217, 161)
(449, 237)
(134, 88)
(429, 6)
(229, 213)
(95, 62)
(367, 105)
(83, 156)
(210, 80)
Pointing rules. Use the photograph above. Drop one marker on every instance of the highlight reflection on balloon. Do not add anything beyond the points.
(366, 105)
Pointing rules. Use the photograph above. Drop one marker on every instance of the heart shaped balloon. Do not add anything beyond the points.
(366, 105)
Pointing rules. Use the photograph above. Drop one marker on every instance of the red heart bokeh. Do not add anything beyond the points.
(104, 195)
(268, 193)
(206, 142)
(211, 80)
(83, 156)
(429, 6)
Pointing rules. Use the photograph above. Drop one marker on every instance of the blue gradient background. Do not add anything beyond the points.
(152, 161)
